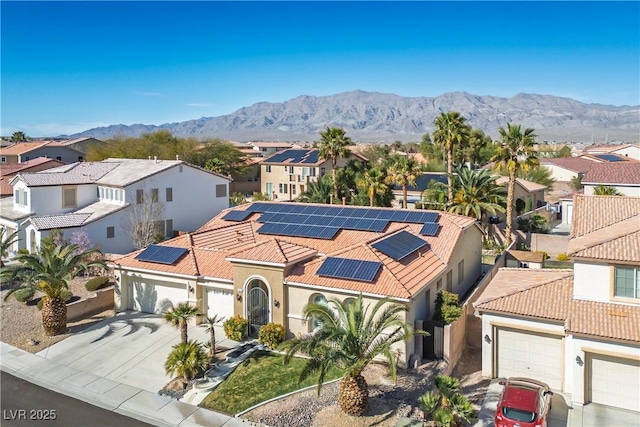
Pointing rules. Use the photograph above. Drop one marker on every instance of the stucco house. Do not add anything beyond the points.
(564, 169)
(25, 151)
(577, 330)
(8, 171)
(108, 199)
(81, 144)
(286, 174)
(623, 176)
(265, 261)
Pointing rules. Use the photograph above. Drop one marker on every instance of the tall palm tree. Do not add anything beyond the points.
(52, 267)
(606, 190)
(179, 317)
(6, 241)
(18, 136)
(447, 407)
(516, 153)
(350, 336)
(209, 324)
(403, 171)
(450, 129)
(372, 181)
(186, 360)
(476, 193)
(333, 145)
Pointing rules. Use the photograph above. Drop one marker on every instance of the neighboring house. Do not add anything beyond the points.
(414, 192)
(248, 182)
(627, 150)
(287, 174)
(265, 261)
(564, 169)
(577, 330)
(8, 171)
(107, 199)
(524, 259)
(623, 176)
(526, 191)
(266, 149)
(25, 151)
(81, 144)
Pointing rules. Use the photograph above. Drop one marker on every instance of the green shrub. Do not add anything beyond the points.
(448, 307)
(271, 335)
(66, 295)
(24, 294)
(235, 328)
(522, 246)
(23, 251)
(96, 283)
(545, 255)
(563, 257)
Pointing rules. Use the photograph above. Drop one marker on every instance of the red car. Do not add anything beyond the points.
(524, 403)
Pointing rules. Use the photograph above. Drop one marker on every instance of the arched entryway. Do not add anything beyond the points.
(257, 305)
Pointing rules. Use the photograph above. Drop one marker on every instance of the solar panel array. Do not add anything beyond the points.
(610, 157)
(161, 254)
(430, 229)
(237, 215)
(400, 245)
(347, 268)
(294, 156)
(297, 230)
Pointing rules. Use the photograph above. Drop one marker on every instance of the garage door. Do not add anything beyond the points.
(156, 297)
(220, 303)
(569, 214)
(526, 354)
(615, 382)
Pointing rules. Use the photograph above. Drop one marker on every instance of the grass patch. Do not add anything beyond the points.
(261, 377)
(558, 264)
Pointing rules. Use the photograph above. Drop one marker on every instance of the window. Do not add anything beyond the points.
(439, 285)
(69, 199)
(80, 158)
(111, 232)
(627, 282)
(154, 195)
(16, 197)
(293, 190)
(25, 197)
(523, 264)
(268, 168)
(27, 158)
(316, 299)
(221, 190)
(169, 227)
(264, 150)
(282, 188)
(139, 197)
(312, 171)
(169, 194)
(450, 280)
(58, 158)
(460, 272)
(3, 159)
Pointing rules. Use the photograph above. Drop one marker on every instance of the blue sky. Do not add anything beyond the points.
(71, 66)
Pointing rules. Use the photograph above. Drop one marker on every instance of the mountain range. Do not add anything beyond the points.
(383, 117)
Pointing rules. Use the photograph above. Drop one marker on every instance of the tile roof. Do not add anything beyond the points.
(78, 218)
(6, 208)
(605, 320)
(591, 213)
(575, 164)
(613, 173)
(270, 144)
(8, 171)
(22, 147)
(219, 242)
(605, 148)
(527, 185)
(73, 174)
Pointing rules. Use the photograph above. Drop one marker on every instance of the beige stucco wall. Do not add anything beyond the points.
(272, 276)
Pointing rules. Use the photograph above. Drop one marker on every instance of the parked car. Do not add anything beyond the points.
(524, 402)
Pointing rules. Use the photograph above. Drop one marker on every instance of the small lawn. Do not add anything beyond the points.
(558, 264)
(261, 377)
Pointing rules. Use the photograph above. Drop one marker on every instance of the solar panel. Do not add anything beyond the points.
(430, 229)
(347, 268)
(399, 245)
(161, 254)
(298, 230)
(610, 158)
(237, 215)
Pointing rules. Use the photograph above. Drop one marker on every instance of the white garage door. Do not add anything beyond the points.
(615, 382)
(157, 297)
(569, 214)
(525, 354)
(220, 303)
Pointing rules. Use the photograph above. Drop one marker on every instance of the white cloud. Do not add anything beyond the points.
(200, 104)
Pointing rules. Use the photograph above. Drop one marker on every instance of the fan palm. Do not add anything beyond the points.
(18, 136)
(333, 145)
(450, 129)
(6, 241)
(350, 336)
(186, 360)
(317, 192)
(476, 193)
(606, 190)
(52, 267)
(447, 407)
(516, 153)
(372, 181)
(403, 171)
(179, 317)
(209, 324)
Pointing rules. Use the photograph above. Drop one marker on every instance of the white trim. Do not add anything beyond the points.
(216, 286)
(213, 279)
(248, 261)
(295, 316)
(153, 272)
(346, 291)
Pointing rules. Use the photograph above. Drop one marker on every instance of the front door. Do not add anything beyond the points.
(257, 306)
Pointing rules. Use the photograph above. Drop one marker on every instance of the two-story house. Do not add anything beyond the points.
(109, 200)
(266, 260)
(287, 174)
(577, 330)
(623, 176)
(8, 171)
(25, 151)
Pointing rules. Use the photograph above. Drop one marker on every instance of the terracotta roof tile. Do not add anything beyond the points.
(606, 320)
(575, 164)
(591, 213)
(275, 251)
(611, 173)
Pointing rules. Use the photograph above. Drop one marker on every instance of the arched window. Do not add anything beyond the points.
(316, 299)
(257, 304)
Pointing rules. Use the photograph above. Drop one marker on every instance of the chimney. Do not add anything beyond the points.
(344, 201)
(155, 159)
(177, 156)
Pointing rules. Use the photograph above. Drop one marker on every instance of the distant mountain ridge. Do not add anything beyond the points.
(382, 117)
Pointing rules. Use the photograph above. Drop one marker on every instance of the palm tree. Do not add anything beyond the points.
(179, 317)
(476, 193)
(373, 183)
(447, 407)
(515, 154)
(209, 324)
(403, 171)
(18, 136)
(333, 145)
(6, 242)
(186, 360)
(350, 336)
(450, 129)
(317, 192)
(52, 267)
(606, 190)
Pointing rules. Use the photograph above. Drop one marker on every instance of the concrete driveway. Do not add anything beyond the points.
(129, 348)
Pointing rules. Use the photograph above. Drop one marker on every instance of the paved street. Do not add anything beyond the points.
(25, 405)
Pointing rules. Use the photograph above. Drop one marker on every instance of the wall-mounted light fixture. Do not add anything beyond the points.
(276, 303)
(191, 289)
(579, 361)
(239, 296)
(487, 339)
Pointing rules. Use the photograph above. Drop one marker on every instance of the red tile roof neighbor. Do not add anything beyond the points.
(605, 320)
(575, 164)
(219, 243)
(613, 173)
